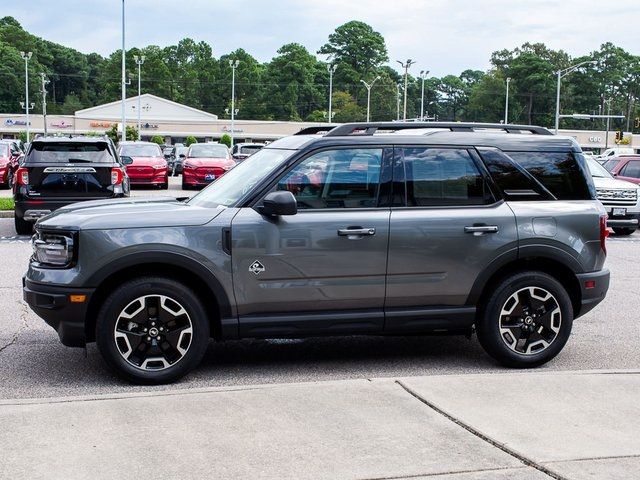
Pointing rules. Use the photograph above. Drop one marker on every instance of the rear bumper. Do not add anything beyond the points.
(593, 289)
(52, 304)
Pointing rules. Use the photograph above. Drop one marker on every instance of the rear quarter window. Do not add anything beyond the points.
(562, 173)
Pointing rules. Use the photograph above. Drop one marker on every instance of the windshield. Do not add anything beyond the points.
(208, 151)
(239, 181)
(249, 149)
(597, 170)
(4, 150)
(140, 151)
(69, 153)
(181, 151)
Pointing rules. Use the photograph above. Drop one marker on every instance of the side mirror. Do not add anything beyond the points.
(126, 160)
(279, 203)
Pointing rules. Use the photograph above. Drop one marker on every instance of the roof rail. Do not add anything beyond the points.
(371, 128)
(316, 130)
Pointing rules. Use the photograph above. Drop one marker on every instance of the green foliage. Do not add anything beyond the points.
(190, 140)
(23, 137)
(6, 204)
(157, 139)
(114, 135)
(226, 140)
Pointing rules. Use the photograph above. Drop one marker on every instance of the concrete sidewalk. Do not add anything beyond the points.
(522, 425)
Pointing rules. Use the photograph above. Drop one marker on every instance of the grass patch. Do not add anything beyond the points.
(6, 204)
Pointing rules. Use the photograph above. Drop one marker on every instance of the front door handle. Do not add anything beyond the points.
(347, 232)
(481, 229)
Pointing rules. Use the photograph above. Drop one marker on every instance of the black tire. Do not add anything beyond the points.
(184, 185)
(535, 325)
(165, 186)
(623, 230)
(133, 367)
(23, 227)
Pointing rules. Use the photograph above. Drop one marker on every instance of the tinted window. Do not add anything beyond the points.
(631, 169)
(437, 176)
(348, 178)
(610, 164)
(559, 172)
(69, 152)
(250, 149)
(511, 180)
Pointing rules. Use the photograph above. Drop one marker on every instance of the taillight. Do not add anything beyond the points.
(604, 233)
(22, 176)
(117, 176)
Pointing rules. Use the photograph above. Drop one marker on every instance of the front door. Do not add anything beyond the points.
(323, 269)
(448, 231)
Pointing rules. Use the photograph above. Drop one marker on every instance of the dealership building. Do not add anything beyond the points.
(174, 122)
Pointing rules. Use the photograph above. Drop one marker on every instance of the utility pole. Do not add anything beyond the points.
(606, 137)
(369, 85)
(423, 76)
(506, 103)
(233, 64)
(124, 83)
(26, 56)
(44, 101)
(331, 68)
(406, 66)
(397, 102)
(139, 61)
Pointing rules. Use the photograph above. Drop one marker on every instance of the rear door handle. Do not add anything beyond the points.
(345, 232)
(481, 229)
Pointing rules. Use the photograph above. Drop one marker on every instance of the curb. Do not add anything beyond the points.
(6, 213)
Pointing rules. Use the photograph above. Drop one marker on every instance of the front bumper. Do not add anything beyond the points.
(593, 289)
(52, 304)
(630, 219)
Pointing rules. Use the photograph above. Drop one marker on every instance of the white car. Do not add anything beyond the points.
(620, 198)
(614, 152)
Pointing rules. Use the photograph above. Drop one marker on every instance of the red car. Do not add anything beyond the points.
(10, 156)
(205, 162)
(149, 166)
(625, 167)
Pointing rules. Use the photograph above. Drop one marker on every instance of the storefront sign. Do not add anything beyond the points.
(593, 139)
(61, 124)
(225, 128)
(10, 122)
(149, 125)
(101, 124)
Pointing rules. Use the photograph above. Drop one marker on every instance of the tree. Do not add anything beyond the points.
(190, 140)
(225, 139)
(157, 139)
(114, 135)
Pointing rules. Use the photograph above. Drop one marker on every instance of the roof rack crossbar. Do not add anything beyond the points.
(372, 128)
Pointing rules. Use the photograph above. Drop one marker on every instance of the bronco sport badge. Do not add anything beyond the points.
(256, 268)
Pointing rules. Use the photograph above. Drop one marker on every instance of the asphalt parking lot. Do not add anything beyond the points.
(33, 363)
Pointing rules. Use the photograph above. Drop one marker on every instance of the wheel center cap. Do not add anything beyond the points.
(528, 320)
(153, 331)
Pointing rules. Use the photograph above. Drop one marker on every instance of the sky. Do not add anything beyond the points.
(442, 36)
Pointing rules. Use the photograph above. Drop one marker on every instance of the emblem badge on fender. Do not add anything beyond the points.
(256, 268)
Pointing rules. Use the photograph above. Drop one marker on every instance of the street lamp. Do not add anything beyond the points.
(26, 56)
(397, 101)
(369, 85)
(423, 76)
(506, 103)
(561, 74)
(139, 61)
(331, 68)
(233, 64)
(124, 83)
(406, 66)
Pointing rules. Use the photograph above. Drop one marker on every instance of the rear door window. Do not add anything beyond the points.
(559, 172)
(631, 169)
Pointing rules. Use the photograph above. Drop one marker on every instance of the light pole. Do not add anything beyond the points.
(139, 61)
(369, 85)
(406, 66)
(561, 74)
(26, 56)
(423, 76)
(331, 68)
(606, 136)
(397, 101)
(124, 83)
(233, 64)
(44, 101)
(506, 103)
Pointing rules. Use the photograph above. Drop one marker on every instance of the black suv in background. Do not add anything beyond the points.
(58, 171)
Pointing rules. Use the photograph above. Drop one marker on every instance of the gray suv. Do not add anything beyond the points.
(376, 229)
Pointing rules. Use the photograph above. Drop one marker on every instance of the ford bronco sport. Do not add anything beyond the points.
(379, 229)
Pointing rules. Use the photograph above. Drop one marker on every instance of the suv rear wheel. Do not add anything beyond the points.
(527, 320)
(22, 226)
(152, 330)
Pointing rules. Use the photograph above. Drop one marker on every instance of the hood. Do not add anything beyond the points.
(128, 213)
(209, 162)
(600, 182)
(147, 161)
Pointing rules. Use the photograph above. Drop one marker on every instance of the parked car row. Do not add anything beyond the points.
(11, 155)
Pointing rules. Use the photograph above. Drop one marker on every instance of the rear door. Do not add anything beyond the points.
(323, 269)
(70, 170)
(446, 230)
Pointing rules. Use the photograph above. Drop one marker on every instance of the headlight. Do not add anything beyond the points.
(53, 249)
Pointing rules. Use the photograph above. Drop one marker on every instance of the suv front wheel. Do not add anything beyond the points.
(527, 320)
(152, 330)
